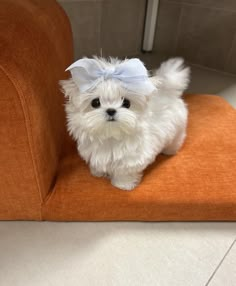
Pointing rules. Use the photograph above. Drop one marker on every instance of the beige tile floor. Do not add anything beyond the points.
(213, 82)
(124, 254)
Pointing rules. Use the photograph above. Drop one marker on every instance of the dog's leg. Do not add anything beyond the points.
(96, 173)
(176, 144)
(126, 182)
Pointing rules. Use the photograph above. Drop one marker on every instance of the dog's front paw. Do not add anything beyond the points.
(126, 182)
(96, 173)
(127, 186)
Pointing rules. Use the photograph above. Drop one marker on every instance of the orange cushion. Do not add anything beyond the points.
(199, 183)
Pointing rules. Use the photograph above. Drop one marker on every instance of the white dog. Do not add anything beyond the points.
(121, 118)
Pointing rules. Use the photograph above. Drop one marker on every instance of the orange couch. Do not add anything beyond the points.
(41, 175)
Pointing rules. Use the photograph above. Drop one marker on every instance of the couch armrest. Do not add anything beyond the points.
(35, 49)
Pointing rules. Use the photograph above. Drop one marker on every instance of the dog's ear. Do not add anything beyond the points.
(69, 88)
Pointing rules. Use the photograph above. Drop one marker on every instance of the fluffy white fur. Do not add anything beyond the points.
(153, 124)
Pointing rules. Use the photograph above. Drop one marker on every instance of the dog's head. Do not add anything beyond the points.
(108, 109)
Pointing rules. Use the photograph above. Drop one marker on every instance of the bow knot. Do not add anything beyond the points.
(132, 75)
(107, 73)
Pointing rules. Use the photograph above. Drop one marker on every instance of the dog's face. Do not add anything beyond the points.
(109, 111)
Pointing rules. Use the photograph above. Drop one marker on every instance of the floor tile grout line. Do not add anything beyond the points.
(222, 260)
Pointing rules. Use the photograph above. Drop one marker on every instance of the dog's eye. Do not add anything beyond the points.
(126, 103)
(95, 103)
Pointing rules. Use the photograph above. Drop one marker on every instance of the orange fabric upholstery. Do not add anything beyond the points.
(35, 48)
(199, 183)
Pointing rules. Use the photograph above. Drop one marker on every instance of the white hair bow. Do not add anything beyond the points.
(132, 74)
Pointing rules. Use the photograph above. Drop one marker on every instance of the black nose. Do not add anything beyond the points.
(111, 111)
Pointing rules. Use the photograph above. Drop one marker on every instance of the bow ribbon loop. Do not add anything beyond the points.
(132, 74)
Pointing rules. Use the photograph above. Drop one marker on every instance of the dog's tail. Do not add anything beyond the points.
(172, 77)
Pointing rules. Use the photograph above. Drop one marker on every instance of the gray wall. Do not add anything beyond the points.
(203, 31)
(116, 26)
